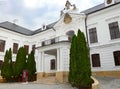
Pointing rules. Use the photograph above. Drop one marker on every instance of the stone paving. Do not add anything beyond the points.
(34, 86)
(109, 83)
(105, 83)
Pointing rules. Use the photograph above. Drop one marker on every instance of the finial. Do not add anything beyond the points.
(67, 5)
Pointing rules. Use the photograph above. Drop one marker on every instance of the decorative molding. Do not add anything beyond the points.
(104, 46)
(3, 37)
(67, 18)
(92, 25)
(113, 18)
(15, 40)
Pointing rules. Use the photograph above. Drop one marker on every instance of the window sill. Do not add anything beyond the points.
(117, 39)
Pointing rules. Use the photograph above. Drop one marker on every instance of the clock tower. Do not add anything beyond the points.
(109, 2)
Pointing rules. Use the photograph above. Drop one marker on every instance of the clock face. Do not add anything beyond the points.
(109, 1)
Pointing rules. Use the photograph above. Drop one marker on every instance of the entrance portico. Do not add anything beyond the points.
(53, 60)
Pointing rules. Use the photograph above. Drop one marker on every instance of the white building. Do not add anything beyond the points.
(100, 24)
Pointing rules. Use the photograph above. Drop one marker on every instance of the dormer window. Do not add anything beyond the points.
(43, 27)
(109, 2)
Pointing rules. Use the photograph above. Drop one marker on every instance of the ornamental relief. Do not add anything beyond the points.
(67, 18)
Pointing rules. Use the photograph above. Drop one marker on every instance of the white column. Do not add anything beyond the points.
(40, 62)
(59, 60)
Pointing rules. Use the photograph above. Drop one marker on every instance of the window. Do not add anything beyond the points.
(27, 48)
(1, 63)
(95, 60)
(2, 45)
(93, 35)
(52, 64)
(15, 48)
(33, 48)
(43, 43)
(117, 58)
(52, 41)
(70, 35)
(114, 30)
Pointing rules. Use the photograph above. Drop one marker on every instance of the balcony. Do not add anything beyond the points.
(55, 40)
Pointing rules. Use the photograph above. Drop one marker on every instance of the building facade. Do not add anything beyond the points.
(100, 24)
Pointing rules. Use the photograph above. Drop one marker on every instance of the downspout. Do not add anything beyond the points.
(86, 16)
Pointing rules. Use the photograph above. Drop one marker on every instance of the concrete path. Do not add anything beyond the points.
(109, 83)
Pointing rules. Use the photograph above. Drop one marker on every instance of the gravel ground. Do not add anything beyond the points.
(109, 83)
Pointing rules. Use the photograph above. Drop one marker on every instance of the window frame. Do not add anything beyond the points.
(15, 48)
(116, 55)
(52, 64)
(33, 48)
(96, 60)
(114, 30)
(93, 37)
(2, 45)
(27, 48)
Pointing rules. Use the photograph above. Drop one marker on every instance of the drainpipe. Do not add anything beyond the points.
(86, 30)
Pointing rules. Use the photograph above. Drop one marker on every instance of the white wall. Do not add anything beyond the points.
(105, 45)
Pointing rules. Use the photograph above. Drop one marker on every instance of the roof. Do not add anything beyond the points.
(13, 27)
(49, 26)
(98, 8)
(16, 28)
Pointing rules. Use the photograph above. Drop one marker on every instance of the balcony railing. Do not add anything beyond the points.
(55, 40)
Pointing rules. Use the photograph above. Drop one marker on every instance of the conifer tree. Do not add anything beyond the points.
(7, 69)
(20, 63)
(31, 65)
(72, 67)
(83, 70)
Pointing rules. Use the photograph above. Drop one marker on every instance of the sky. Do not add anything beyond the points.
(31, 14)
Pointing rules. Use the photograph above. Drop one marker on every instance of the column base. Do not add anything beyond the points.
(40, 75)
(62, 76)
(59, 77)
(115, 74)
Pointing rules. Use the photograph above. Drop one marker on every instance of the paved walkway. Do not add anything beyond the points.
(34, 86)
(47, 80)
(105, 83)
(45, 83)
(109, 83)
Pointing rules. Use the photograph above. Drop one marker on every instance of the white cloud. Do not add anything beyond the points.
(34, 4)
(53, 11)
(46, 19)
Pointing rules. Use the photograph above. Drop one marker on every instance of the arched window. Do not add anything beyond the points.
(70, 34)
(52, 64)
(95, 60)
(117, 58)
